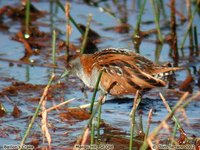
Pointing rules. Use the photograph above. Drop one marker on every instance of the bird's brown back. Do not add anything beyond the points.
(125, 71)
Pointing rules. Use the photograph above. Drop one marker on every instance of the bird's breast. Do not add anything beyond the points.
(88, 79)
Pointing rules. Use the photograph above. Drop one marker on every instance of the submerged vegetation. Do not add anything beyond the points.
(40, 40)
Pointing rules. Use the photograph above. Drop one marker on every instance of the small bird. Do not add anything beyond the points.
(124, 72)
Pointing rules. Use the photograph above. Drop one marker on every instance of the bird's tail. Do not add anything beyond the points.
(166, 71)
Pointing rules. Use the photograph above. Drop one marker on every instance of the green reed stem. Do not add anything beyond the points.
(175, 130)
(188, 28)
(174, 117)
(163, 9)
(76, 25)
(3, 108)
(147, 130)
(140, 123)
(27, 73)
(56, 9)
(137, 101)
(196, 41)
(169, 115)
(157, 9)
(67, 28)
(99, 120)
(27, 19)
(139, 19)
(156, 19)
(70, 17)
(36, 111)
(169, 110)
(92, 133)
(190, 99)
(90, 119)
(54, 48)
(94, 112)
(148, 123)
(95, 91)
(138, 4)
(51, 16)
(86, 33)
(158, 128)
(191, 29)
(65, 74)
(173, 25)
(158, 52)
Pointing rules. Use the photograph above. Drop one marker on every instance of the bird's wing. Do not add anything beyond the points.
(121, 68)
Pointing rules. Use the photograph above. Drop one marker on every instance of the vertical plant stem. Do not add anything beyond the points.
(89, 121)
(174, 47)
(158, 52)
(136, 37)
(139, 4)
(72, 20)
(196, 41)
(51, 16)
(147, 130)
(174, 117)
(86, 33)
(148, 122)
(76, 25)
(141, 130)
(95, 91)
(27, 73)
(54, 48)
(99, 120)
(68, 27)
(190, 99)
(70, 17)
(137, 29)
(188, 27)
(133, 4)
(137, 101)
(27, 19)
(157, 6)
(174, 130)
(84, 138)
(36, 111)
(95, 111)
(156, 18)
(56, 9)
(163, 9)
(177, 106)
(92, 132)
(3, 108)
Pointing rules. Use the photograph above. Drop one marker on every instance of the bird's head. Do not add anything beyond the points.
(73, 63)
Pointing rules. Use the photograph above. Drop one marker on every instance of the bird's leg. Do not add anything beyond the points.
(102, 96)
(101, 100)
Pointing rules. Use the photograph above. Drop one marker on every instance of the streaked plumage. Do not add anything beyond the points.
(124, 72)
